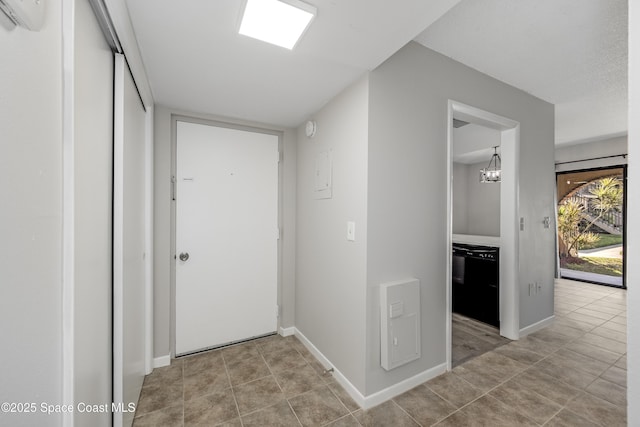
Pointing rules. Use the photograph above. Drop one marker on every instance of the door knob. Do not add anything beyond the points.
(183, 256)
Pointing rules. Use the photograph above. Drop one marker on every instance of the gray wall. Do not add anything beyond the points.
(483, 204)
(93, 143)
(331, 271)
(407, 183)
(162, 239)
(591, 150)
(31, 217)
(460, 193)
(163, 233)
(476, 206)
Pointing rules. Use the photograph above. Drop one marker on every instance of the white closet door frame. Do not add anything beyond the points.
(118, 232)
(119, 368)
(113, 16)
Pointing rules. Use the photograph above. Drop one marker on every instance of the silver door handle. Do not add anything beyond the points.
(183, 256)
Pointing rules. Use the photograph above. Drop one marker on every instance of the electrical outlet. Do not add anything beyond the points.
(535, 288)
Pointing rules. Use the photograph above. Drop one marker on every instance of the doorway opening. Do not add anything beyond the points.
(591, 225)
(506, 234)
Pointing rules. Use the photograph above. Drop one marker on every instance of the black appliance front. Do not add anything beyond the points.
(475, 287)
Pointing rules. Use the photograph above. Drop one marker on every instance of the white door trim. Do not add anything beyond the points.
(118, 232)
(509, 223)
(148, 267)
(231, 125)
(68, 209)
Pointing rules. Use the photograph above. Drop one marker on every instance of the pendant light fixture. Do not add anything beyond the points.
(492, 174)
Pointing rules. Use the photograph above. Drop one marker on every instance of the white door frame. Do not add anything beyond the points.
(509, 216)
(174, 140)
(118, 232)
(149, 256)
(118, 241)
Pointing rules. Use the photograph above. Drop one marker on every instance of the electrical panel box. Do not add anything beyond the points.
(400, 323)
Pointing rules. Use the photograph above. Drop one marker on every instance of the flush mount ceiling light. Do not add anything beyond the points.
(492, 174)
(279, 22)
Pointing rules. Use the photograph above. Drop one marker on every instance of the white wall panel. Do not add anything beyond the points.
(31, 217)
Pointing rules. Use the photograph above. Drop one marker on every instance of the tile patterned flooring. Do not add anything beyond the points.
(471, 338)
(572, 373)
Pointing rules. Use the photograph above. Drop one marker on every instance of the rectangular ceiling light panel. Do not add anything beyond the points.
(279, 22)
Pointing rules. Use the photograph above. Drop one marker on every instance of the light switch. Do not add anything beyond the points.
(351, 231)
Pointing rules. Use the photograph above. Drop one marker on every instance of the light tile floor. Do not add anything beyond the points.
(572, 373)
(471, 338)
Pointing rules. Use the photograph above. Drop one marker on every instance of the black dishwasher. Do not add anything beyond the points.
(475, 286)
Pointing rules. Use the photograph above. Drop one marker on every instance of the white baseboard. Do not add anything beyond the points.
(379, 397)
(342, 380)
(161, 361)
(406, 385)
(285, 332)
(536, 326)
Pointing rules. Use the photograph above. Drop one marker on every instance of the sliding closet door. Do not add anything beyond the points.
(91, 169)
(129, 243)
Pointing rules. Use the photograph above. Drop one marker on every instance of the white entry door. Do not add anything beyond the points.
(226, 235)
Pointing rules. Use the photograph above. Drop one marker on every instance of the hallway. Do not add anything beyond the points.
(572, 373)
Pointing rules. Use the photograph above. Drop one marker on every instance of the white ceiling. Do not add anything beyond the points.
(474, 143)
(196, 60)
(572, 53)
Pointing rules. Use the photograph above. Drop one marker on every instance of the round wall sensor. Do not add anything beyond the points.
(310, 129)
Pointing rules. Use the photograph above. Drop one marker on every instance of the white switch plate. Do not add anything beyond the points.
(351, 231)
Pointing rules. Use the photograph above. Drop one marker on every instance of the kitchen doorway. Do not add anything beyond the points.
(591, 225)
(508, 237)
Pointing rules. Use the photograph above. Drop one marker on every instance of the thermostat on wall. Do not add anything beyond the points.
(28, 13)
